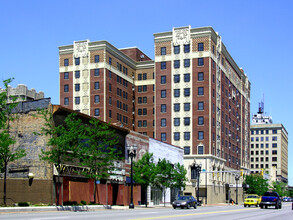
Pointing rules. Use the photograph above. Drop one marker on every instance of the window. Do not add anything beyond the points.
(163, 136)
(163, 94)
(186, 106)
(144, 88)
(274, 145)
(186, 121)
(110, 87)
(77, 100)
(97, 85)
(97, 58)
(176, 121)
(187, 92)
(186, 136)
(97, 98)
(139, 123)
(139, 111)
(274, 138)
(163, 50)
(144, 111)
(139, 76)
(110, 74)
(163, 65)
(267, 131)
(163, 79)
(77, 61)
(163, 108)
(274, 131)
(110, 60)
(200, 106)
(110, 113)
(144, 76)
(144, 123)
(176, 136)
(176, 92)
(252, 132)
(274, 152)
(267, 138)
(274, 159)
(200, 91)
(200, 120)
(66, 101)
(176, 49)
(186, 150)
(176, 107)
(176, 78)
(77, 74)
(66, 88)
(199, 149)
(176, 64)
(163, 122)
(186, 77)
(66, 62)
(77, 87)
(200, 62)
(200, 76)
(66, 75)
(144, 99)
(97, 112)
(110, 100)
(186, 48)
(200, 46)
(97, 72)
(200, 135)
(186, 62)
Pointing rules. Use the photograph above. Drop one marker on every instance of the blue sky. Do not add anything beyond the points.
(257, 34)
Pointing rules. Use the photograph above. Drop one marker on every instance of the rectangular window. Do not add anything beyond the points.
(66, 62)
(274, 138)
(186, 48)
(110, 60)
(200, 106)
(163, 65)
(66, 88)
(186, 106)
(186, 150)
(200, 91)
(110, 113)
(176, 49)
(77, 61)
(176, 136)
(139, 124)
(66, 75)
(274, 145)
(163, 79)
(176, 92)
(97, 112)
(163, 122)
(144, 88)
(200, 76)
(97, 58)
(77, 74)
(77, 100)
(163, 108)
(66, 101)
(274, 152)
(97, 85)
(97, 72)
(186, 62)
(144, 76)
(176, 64)
(200, 46)
(200, 120)
(144, 123)
(176, 121)
(186, 136)
(186, 92)
(97, 98)
(163, 136)
(139, 76)
(274, 131)
(186, 121)
(200, 135)
(176, 78)
(77, 87)
(163, 50)
(200, 150)
(186, 77)
(176, 107)
(200, 62)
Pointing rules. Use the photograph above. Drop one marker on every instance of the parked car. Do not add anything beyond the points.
(286, 199)
(185, 202)
(252, 200)
(271, 199)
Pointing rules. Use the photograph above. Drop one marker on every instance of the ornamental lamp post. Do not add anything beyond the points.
(195, 174)
(131, 153)
(237, 179)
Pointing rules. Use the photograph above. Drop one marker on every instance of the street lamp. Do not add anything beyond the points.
(237, 179)
(131, 153)
(195, 173)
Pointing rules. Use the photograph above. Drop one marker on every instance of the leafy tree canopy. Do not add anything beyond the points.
(257, 184)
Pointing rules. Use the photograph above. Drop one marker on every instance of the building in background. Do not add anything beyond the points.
(269, 147)
(192, 95)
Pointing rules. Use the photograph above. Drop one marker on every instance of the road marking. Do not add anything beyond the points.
(184, 215)
(47, 218)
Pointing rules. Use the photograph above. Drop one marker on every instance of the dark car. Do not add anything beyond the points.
(185, 202)
(271, 199)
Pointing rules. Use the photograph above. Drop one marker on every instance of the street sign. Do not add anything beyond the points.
(203, 170)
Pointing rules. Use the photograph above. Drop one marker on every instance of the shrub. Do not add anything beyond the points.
(70, 203)
(83, 202)
(23, 204)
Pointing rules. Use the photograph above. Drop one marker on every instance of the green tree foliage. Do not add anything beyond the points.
(144, 171)
(281, 188)
(99, 152)
(8, 153)
(257, 184)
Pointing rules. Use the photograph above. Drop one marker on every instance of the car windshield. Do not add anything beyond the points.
(183, 197)
(251, 196)
(270, 194)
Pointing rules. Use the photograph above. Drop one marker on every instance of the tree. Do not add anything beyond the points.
(8, 153)
(281, 188)
(144, 172)
(178, 176)
(65, 140)
(257, 184)
(99, 152)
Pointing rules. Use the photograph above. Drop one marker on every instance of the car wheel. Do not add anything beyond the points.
(248, 205)
(261, 206)
(244, 205)
(188, 206)
(280, 206)
(276, 206)
(195, 206)
(174, 207)
(256, 205)
(266, 206)
(182, 207)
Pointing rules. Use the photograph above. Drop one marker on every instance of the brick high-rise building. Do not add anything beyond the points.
(192, 95)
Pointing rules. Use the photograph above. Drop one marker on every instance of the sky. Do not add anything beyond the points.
(257, 34)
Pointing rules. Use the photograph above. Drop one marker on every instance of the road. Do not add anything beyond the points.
(208, 212)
